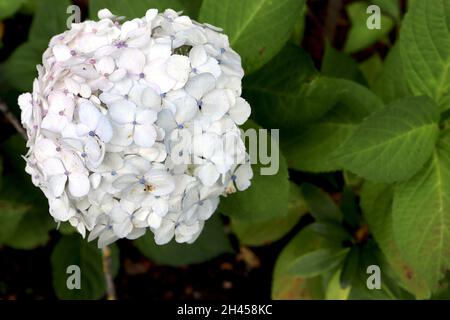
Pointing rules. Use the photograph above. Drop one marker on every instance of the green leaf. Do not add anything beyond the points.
(425, 49)
(313, 148)
(349, 267)
(10, 216)
(294, 96)
(421, 216)
(50, 20)
(394, 143)
(332, 231)
(317, 262)
(336, 64)
(212, 242)
(9, 7)
(286, 286)
(137, 8)
(334, 289)
(252, 233)
(376, 204)
(320, 204)
(35, 223)
(74, 250)
(371, 68)
(257, 29)
(390, 84)
(349, 207)
(360, 36)
(266, 198)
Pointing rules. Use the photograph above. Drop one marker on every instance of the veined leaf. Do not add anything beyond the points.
(376, 203)
(390, 84)
(257, 29)
(317, 262)
(421, 216)
(312, 148)
(394, 143)
(425, 49)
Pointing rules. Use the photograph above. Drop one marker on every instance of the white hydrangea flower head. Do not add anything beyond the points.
(117, 106)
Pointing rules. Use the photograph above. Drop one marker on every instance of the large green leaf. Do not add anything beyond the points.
(394, 143)
(9, 7)
(257, 29)
(376, 203)
(259, 233)
(49, 20)
(288, 92)
(286, 286)
(312, 148)
(425, 49)
(74, 250)
(212, 242)
(421, 216)
(137, 8)
(338, 64)
(267, 197)
(390, 83)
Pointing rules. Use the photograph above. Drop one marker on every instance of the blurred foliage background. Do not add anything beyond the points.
(313, 70)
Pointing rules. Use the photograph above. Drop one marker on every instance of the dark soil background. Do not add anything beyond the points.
(244, 275)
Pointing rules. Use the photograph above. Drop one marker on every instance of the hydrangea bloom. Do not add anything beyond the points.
(134, 126)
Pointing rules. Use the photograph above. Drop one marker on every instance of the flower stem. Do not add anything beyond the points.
(107, 270)
(13, 120)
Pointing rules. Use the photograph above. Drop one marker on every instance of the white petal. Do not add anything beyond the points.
(154, 220)
(144, 135)
(105, 65)
(198, 56)
(243, 175)
(104, 130)
(124, 181)
(240, 111)
(61, 52)
(60, 210)
(57, 184)
(79, 184)
(132, 60)
(178, 68)
(208, 174)
(122, 111)
(89, 115)
(53, 166)
(215, 104)
(161, 182)
(145, 116)
(198, 85)
(151, 99)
